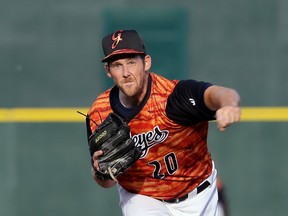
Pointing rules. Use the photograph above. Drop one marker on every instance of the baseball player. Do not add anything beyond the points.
(175, 174)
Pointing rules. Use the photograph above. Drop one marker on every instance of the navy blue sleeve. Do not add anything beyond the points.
(186, 104)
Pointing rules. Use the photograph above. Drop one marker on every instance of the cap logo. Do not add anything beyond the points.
(116, 39)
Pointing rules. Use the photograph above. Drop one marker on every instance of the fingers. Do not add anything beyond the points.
(227, 115)
(95, 157)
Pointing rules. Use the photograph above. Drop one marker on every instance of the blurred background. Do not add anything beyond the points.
(50, 54)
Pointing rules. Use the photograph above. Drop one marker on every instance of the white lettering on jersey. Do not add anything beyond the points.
(149, 139)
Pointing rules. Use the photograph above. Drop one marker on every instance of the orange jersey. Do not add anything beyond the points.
(175, 158)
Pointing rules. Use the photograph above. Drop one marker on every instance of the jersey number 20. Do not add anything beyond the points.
(171, 165)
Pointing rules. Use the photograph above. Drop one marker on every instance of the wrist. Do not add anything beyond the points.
(105, 183)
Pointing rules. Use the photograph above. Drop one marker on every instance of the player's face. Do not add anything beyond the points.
(130, 75)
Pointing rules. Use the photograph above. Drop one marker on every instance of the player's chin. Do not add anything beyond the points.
(130, 94)
(129, 91)
(128, 85)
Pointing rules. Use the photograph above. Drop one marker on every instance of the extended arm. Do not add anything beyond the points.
(226, 103)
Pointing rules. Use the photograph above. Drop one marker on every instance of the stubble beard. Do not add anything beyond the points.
(134, 90)
(130, 90)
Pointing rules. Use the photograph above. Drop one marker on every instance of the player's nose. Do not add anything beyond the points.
(125, 71)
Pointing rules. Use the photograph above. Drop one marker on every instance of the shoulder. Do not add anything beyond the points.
(192, 85)
(190, 89)
(162, 83)
(100, 108)
(186, 104)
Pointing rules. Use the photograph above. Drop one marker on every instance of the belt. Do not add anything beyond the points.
(199, 189)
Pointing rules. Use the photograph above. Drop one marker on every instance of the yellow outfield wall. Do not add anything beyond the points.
(70, 114)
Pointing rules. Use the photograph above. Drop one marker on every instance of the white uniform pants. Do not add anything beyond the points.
(202, 204)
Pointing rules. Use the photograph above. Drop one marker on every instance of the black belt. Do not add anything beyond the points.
(180, 199)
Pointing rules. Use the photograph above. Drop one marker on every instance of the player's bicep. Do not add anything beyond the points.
(209, 97)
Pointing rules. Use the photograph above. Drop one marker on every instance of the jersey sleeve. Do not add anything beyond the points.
(186, 106)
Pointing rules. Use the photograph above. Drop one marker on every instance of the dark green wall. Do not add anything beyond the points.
(45, 170)
(50, 55)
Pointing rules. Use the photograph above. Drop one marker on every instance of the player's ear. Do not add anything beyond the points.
(106, 67)
(147, 62)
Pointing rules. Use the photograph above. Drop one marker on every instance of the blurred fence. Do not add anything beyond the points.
(50, 55)
(45, 166)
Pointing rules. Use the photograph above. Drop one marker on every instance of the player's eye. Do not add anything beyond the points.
(131, 62)
(116, 66)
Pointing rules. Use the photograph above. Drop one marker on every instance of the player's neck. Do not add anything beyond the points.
(130, 102)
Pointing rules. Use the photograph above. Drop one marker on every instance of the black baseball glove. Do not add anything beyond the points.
(112, 136)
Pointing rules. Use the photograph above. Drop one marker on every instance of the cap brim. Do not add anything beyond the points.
(120, 52)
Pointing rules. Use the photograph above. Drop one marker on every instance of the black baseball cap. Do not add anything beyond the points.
(122, 42)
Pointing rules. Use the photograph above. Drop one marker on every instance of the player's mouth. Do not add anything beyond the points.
(128, 82)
